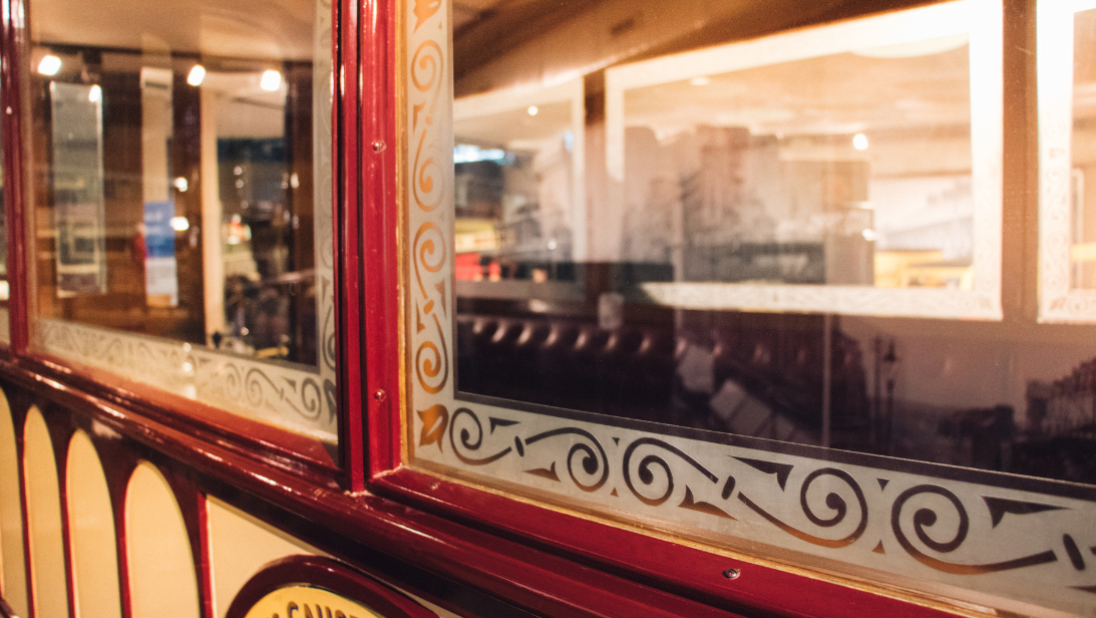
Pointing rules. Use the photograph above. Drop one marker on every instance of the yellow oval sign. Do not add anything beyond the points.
(307, 602)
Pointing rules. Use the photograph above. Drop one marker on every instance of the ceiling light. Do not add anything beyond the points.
(180, 224)
(533, 110)
(49, 65)
(197, 74)
(95, 94)
(699, 81)
(272, 80)
(860, 141)
(181, 184)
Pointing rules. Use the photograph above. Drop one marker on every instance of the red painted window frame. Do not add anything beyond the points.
(264, 442)
(657, 562)
(368, 227)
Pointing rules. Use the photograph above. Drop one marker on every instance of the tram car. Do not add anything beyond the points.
(507, 308)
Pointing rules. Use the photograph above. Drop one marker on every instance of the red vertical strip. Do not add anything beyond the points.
(202, 561)
(118, 502)
(192, 504)
(14, 50)
(118, 462)
(19, 421)
(61, 436)
(347, 152)
(382, 232)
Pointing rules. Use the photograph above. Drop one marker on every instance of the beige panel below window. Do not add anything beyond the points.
(162, 580)
(44, 519)
(91, 528)
(240, 546)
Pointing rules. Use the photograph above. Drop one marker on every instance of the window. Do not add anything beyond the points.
(1067, 38)
(747, 292)
(181, 200)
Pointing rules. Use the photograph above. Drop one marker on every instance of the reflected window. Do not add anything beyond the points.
(176, 157)
(1083, 199)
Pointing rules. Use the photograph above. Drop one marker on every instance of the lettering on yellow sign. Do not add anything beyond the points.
(308, 602)
(292, 608)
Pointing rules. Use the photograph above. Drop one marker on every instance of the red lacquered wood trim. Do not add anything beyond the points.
(382, 231)
(14, 50)
(192, 506)
(347, 232)
(273, 444)
(118, 464)
(280, 446)
(674, 567)
(329, 575)
(60, 436)
(526, 577)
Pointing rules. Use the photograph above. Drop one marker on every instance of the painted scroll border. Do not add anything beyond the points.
(982, 19)
(1058, 301)
(300, 400)
(996, 544)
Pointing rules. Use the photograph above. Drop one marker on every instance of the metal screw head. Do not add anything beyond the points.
(378, 146)
(379, 395)
(732, 573)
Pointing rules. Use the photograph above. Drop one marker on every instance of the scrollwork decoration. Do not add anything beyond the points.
(593, 458)
(647, 476)
(834, 502)
(427, 173)
(432, 364)
(468, 442)
(925, 517)
(311, 399)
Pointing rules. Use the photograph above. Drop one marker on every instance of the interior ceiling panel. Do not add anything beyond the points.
(281, 29)
(485, 29)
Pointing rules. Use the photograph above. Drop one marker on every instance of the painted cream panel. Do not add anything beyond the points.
(91, 528)
(240, 546)
(47, 553)
(13, 572)
(162, 580)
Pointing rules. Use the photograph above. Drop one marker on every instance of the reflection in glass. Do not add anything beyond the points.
(180, 158)
(848, 175)
(848, 169)
(519, 194)
(78, 189)
(1083, 176)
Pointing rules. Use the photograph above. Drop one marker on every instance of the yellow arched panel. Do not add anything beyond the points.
(47, 555)
(13, 569)
(91, 528)
(162, 581)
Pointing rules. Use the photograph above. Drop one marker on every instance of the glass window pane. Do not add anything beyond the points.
(747, 290)
(182, 224)
(1083, 249)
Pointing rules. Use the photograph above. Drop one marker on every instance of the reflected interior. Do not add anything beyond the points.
(174, 173)
(851, 170)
